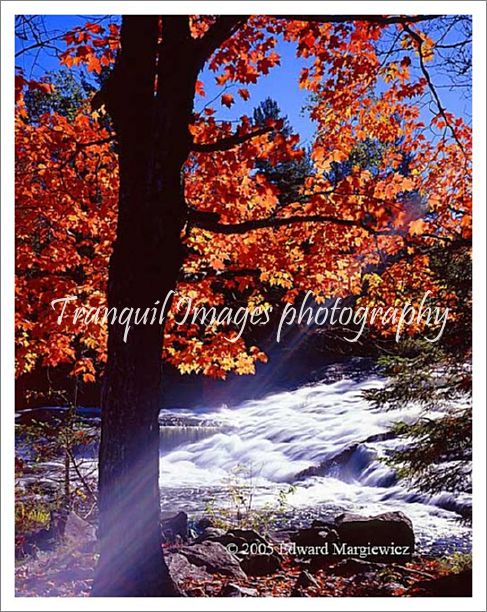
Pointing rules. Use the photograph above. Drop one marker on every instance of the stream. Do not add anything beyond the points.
(276, 439)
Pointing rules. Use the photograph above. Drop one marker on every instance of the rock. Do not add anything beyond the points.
(381, 437)
(261, 565)
(78, 531)
(257, 556)
(314, 536)
(241, 537)
(321, 524)
(181, 569)
(391, 531)
(394, 588)
(210, 533)
(204, 522)
(235, 590)
(174, 525)
(347, 463)
(352, 567)
(214, 557)
(314, 545)
(452, 585)
(305, 580)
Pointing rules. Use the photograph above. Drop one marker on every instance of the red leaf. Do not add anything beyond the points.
(227, 100)
(244, 94)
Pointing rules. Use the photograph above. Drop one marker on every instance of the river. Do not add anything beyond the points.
(283, 434)
(279, 437)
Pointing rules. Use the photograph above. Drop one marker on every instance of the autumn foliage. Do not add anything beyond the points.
(389, 182)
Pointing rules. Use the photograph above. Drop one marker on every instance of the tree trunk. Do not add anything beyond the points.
(153, 143)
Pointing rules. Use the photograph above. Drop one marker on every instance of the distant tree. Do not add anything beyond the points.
(289, 175)
(437, 451)
(66, 96)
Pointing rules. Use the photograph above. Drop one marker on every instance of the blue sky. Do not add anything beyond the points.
(281, 83)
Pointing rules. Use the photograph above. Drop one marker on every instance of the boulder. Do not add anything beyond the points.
(235, 590)
(257, 556)
(261, 565)
(180, 569)
(214, 557)
(391, 531)
(174, 526)
(210, 533)
(204, 522)
(314, 536)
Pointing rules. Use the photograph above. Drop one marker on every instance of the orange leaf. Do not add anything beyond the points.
(244, 94)
(199, 88)
(227, 100)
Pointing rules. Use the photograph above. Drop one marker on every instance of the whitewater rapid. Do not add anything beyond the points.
(283, 434)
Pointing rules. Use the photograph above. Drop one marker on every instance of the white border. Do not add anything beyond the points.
(8, 11)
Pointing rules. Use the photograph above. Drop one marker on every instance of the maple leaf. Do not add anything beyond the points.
(227, 100)
(244, 94)
(94, 64)
(417, 227)
(199, 88)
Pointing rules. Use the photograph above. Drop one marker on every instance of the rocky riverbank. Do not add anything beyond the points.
(351, 556)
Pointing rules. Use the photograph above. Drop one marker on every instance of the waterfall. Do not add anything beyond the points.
(325, 438)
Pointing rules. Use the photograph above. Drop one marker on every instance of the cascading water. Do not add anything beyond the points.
(327, 427)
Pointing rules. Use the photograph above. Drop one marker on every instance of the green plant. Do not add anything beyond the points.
(456, 562)
(238, 509)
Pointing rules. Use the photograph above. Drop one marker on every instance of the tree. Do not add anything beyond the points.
(288, 176)
(439, 379)
(196, 216)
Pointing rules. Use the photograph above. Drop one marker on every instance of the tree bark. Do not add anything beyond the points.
(153, 143)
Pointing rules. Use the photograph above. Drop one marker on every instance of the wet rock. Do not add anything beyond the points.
(381, 437)
(235, 590)
(174, 526)
(321, 524)
(387, 537)
(347, 463)
(214, 557)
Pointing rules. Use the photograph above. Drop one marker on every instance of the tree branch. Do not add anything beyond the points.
(273, 222)
(382, 19)
(224, 144)
(431, 86)
(193, 277)
(223, 27)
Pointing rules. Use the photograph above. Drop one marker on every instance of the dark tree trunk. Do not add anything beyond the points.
(154, 141)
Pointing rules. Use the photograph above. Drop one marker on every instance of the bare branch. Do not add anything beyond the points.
(382, 19)
(426, 74)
